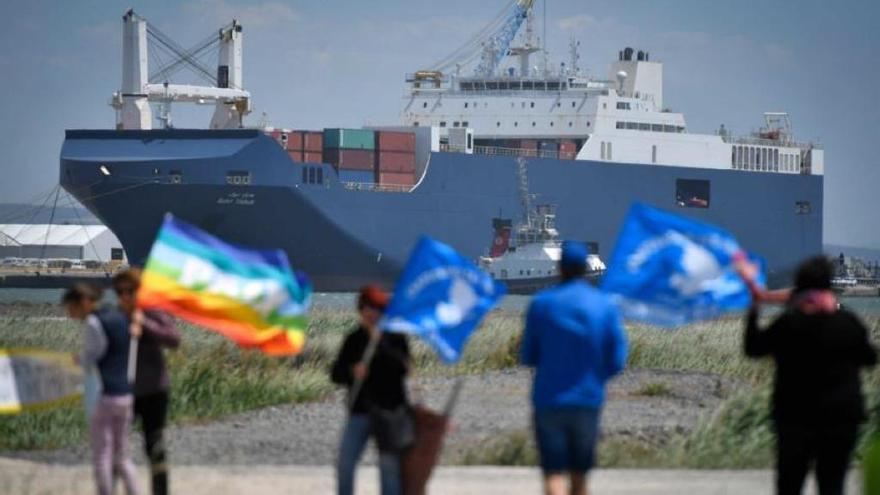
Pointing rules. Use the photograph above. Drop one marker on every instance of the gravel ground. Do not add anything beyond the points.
(490, 404)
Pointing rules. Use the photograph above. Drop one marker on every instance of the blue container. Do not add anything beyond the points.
(361, 176)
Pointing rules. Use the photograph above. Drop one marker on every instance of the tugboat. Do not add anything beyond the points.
(526, 258)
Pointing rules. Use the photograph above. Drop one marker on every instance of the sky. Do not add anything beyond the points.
(332, 63)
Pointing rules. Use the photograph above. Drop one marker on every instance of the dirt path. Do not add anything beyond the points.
(490, 404)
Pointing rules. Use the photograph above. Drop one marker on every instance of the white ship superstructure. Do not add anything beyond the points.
(619, 119)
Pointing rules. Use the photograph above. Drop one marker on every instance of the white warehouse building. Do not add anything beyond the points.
(79, 242)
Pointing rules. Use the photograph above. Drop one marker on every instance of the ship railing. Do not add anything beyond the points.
(758, 141)
(502, 151)
(376, 187)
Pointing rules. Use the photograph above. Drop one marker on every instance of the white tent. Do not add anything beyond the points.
(83, 242)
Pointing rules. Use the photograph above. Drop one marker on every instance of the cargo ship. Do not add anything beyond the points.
(347, 205)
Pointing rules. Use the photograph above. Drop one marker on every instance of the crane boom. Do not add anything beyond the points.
(497, 45)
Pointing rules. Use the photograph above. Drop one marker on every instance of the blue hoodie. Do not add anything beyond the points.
(574, 339)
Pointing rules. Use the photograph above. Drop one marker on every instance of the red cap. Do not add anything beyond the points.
(373, 295)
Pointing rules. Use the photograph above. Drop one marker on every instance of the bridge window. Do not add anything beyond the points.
(425, 104)
(464, 124)
(498, 124)
(692, 193)
(456, 124)
(442, 123)
(465, 104)
(573, 104)
(532, 105)
(516, 124)
(623, 105)
(657, 127)
(533, 124)
(621, 125)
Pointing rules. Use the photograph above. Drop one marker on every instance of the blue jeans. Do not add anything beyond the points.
(354, 439)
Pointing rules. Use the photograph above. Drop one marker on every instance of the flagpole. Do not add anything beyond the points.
(366, 359)
(132, 359)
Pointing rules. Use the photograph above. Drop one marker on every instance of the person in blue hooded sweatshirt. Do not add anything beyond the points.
(575, 340)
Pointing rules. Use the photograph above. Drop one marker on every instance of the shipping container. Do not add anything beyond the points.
(548, 146)
(396, 179)
(395, 141)
(567, 150)
(396, 161)
(528, 144)
(313, 157)
(313, 141)
(294, 140)
(361, 176)
(352, 139)
(351, 159)
(296, 156)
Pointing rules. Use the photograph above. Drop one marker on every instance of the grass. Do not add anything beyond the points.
(212, 378)
(654, 389)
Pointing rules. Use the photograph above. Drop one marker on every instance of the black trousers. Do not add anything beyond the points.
(153, 412)
(798, 447)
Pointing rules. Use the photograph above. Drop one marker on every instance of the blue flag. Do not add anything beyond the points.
(669, 270)
(441, 297)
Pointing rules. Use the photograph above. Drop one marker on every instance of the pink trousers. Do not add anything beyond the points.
(109, 427)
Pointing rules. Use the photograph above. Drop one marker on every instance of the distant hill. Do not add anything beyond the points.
(24, 213)
(868, 254)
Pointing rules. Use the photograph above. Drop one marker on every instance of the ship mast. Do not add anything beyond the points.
(525, 198)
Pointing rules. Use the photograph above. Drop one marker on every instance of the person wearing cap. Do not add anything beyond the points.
(818, 348)
(376, 384)
(574, 340)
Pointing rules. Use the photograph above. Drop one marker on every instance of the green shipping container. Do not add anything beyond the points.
(352, 139)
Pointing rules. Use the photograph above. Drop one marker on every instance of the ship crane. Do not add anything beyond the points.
(491, 44)
(140, 87)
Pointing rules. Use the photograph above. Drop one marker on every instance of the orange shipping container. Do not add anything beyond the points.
(294, 140)
(312, 140)
(296, 156)
(396, 179)
(313, 157)
(396, 161)
(395, 141)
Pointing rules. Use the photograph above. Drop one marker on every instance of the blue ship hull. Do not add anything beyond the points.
(344, 238)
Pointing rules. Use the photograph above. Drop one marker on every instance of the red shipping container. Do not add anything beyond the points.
(528, 144)
(351, 159)
(296, 156)
(276, 135)
(395, 141)
(396, 179)
(396, 161)
(567, 150)
(313, 157)
(313, 140)
(294, 140)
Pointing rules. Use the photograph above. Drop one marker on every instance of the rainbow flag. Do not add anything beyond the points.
(250, 296)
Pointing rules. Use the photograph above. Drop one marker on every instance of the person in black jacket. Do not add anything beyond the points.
(817, 401)
(375, 384)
